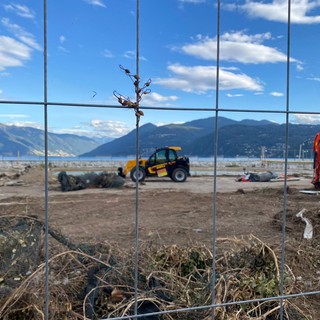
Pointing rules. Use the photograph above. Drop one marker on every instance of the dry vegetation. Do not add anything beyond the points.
(93, 279)
(97, 280)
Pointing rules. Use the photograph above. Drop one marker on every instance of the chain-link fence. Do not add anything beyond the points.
(221, 278)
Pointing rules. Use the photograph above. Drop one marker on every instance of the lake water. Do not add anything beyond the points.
(121, 159)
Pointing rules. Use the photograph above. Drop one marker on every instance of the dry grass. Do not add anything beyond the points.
(97, 281)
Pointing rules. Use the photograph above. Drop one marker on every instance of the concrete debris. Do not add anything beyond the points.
(308, 231)
(14, 183)
(258, 177)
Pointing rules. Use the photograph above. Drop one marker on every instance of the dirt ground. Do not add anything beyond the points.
(169, 213)
(174, 213)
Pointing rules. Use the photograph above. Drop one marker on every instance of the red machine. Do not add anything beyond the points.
(316, 161)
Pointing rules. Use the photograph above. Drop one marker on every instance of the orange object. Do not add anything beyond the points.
(316, 161)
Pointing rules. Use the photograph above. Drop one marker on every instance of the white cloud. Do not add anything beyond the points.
(63, 49)
(132, 55)
(301, 11)
(12, 53)
(154, 99)
(92, 129)
(7, 115)
(306, 118)
(21, 34)
(74, 130)
(0, 91)
(236, 47)
(234, 95)
(98, 3)
(160, 124)
(314, 79)
(62, 39)
(276, 94)
(20, 10)
(97, 129)
(192, 1)
(129, 54)
(108, 54)
(108, 128)
(200, 79)
(299, 67)
(29, 124)
(14, 120)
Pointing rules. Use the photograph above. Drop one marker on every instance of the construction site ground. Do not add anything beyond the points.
(169, 212)
(172, 213)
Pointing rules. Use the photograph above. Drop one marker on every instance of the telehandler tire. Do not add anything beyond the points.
(141, 174)
(179, 175)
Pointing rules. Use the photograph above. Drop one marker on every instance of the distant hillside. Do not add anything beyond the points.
(248, 140)
(123, 146)
(236, 138)
(30, 141)
(245, 138)
(151, 136)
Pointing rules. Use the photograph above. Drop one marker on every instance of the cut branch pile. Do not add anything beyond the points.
(92, 281)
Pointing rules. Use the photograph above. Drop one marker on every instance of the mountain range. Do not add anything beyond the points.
(197, 138)
(245, 138)
(29, 141)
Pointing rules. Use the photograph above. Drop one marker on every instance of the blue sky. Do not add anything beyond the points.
(89, 39)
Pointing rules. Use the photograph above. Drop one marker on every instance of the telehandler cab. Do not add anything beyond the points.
(162, 163)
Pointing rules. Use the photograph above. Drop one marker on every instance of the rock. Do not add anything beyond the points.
(14, 183)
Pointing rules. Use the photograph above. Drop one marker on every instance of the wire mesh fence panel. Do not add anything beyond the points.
(109, 218)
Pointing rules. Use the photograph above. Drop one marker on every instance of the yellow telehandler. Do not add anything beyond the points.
(164, 162)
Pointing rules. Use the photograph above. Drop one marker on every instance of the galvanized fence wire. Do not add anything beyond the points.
(284, 212)
(216, 110)
(62, 104)
(46, 152)
(217, 305)
(136, 258)
(214, 212)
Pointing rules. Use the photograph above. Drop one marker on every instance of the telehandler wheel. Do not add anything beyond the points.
(179, 175)
(141, 174)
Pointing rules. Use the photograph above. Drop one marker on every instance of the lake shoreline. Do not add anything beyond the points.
(197, 167)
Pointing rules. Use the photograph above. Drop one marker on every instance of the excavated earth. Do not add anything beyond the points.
(176, 213)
